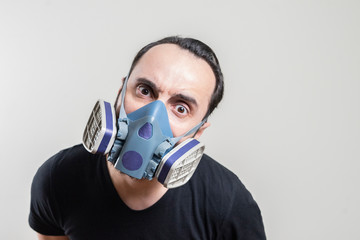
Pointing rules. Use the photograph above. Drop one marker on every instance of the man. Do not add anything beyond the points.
(78, 195)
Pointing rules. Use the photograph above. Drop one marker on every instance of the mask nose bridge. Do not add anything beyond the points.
(161, 114)
(167, 113)
(158, 110)
(162, 103)
(165, 105)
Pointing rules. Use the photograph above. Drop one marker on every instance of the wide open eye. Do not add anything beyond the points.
(143, 91)
(181, 110)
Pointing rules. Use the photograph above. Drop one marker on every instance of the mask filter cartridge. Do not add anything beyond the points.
(100, 131)
(178, 166)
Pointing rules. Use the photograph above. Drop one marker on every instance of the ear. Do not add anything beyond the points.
(201, 130)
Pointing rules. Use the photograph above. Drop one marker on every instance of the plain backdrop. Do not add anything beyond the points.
(288, 126)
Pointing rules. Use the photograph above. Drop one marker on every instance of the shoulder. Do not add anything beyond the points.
(66, 162)
(239, 213)
(218, 178)
(56, 178)
(59, 162)
(69, 169)
(70, 156)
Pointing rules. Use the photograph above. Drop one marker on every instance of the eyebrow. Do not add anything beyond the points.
(186, 98)
(156, 90)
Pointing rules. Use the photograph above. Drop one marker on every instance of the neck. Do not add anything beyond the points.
(137, 194)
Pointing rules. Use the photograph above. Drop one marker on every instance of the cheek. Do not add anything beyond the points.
(175, 129)
(175, 125)
(179, 128)
(132, 104)
(129, 108)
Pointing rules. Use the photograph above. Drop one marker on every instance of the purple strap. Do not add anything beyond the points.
(108, 129)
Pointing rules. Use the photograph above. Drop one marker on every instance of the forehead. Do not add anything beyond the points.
(174, 69)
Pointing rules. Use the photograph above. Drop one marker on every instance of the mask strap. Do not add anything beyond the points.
(166, 145)
(122, 114)
(122, 127)
(173, 141)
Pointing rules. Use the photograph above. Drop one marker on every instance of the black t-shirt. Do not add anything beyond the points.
(72, 194)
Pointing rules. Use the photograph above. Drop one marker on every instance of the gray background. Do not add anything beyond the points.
(289, 125)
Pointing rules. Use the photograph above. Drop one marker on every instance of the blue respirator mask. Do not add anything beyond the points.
(141, 144)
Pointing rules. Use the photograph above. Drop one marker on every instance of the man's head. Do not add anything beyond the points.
(184, 73)
(199, 49)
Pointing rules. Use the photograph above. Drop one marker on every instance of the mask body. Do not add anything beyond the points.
(148, 128)
(142, 144)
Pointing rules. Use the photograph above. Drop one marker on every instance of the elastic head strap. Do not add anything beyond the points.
(173, 141)
(123, 114)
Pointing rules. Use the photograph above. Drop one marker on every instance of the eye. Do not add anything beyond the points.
(143, 90)
(180, 109)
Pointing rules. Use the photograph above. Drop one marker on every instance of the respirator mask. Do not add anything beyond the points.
(141, 144)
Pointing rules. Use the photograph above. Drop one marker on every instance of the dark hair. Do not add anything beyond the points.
(200, 50)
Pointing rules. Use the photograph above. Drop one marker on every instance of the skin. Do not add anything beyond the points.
(184, 83)
(45, 237)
